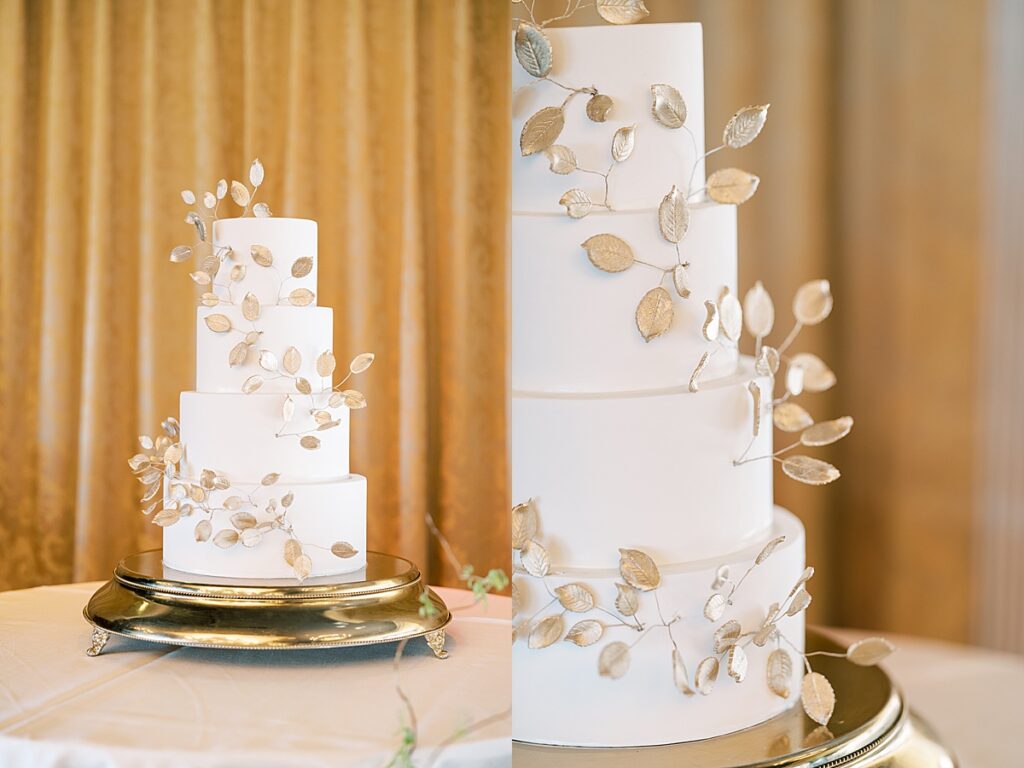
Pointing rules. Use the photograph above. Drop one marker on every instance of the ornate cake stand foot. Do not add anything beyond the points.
(99, 641)
(435, 640)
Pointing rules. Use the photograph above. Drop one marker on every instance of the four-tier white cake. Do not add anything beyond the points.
(611, 445)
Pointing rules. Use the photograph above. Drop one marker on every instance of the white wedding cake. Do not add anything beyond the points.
(638, 516)
(256, 482)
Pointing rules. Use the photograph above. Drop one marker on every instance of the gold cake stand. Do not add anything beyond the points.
(379, 604)
(872, 727)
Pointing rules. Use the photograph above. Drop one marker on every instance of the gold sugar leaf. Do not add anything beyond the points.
(303, 386)
(768, 548)
(577, 203)
(621, 11)
(238, 354)
(302, 566)
(731, 315)
(203, 530)
(233, 503)
(818, 698)
(674, 216)
(714, 607)
(598, 107)
(585, 633)
(209, 300)
(222, 189)
(638, 569)
(210, 265)
(200, 278)
(679, 674)
(818, 377)
(138, 462)
(270, 478)
(668, 106)
(361, 362)
(218, 323)
(198, 223)
(181, 253)
(780, 672)
(328, 425)
(706, 675)
(869, 651)
(727, 635)
(253, 337)
(188, 197)
(614, 660)
(243, 520)
(827, 432)
(256, 173)
(627, 600)
(755, 396)
(210, 200)
(268, 361)
(533, 50)
(732, 186)
(325, 364)
(546, 631)
(524, 524)
(343, 550)
(354, 399)
(801, 601)
(292, 360)
(758, 311)
(535, 559)
(239, 193)
(287, 499)
(790, 417)
(681, 281)
(173, 454)
(292, 551)
(250, 537)
(794, 379)
(812, 302)
(575, 597)
(251, 307)
(809, 470)
(541, 130)
(561, 159)
(226, 538)
(287, 409)
(736, 663)
(654, 313)
(261, 211)
(221, 483)
(301, 297)
(712, 321)
(695, 376)
(310, 442)
(767, 629)
(166, 517)
(609, 253)
(806, 576)
(321, 417)
(206, 478)
(623, 142)
(744, 126)
(261, 255)
(336, 399)
(302, 266)
(767, 362)
(252, 384)
(721, 577)
(197, 493)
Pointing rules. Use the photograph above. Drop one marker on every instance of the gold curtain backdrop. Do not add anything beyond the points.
(385, 121)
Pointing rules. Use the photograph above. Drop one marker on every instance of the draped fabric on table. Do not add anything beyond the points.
(385, 121)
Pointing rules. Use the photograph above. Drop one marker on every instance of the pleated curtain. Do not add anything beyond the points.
(385, 121)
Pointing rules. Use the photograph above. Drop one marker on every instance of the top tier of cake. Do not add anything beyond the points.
(622, 62)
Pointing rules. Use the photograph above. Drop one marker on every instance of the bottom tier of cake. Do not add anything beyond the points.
(648, 691)
(242, 531)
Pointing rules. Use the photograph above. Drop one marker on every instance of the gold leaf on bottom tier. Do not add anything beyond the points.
(614, 660)
(654, 313)
(585, 632)
(575, 597)
(546, 632)
(638, 569)
(818, 698)
(780, 672)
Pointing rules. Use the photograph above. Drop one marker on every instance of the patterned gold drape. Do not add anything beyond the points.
(386, 121)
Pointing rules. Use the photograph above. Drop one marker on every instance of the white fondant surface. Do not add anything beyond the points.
(559, 698)
(309, 329)
(321, 514)
(652, 471)
(234, 434)
(574, 326)
(288, 241)
(622, 62)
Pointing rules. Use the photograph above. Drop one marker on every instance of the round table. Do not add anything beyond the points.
(142, 704)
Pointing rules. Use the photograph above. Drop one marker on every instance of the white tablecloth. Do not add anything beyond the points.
(153, 706)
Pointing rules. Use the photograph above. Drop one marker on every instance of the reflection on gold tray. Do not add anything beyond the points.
(379, 604)
(871, 728)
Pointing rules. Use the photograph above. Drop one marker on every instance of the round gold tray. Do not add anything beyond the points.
(871, 728)
(378, 604)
